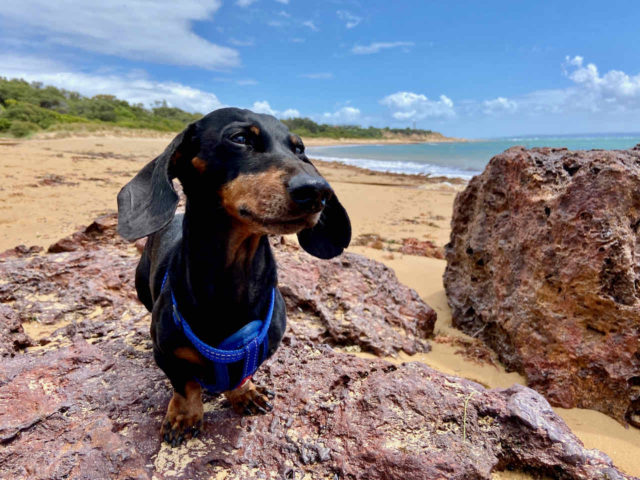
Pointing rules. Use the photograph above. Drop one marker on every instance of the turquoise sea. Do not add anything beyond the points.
(463, 159)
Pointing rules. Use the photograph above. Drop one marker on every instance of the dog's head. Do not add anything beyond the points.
(251, 166)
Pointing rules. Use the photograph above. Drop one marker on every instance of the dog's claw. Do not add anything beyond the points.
(251, 400)
(177, 433)
(260, 409)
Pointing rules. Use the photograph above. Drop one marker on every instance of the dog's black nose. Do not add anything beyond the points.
(309, 192)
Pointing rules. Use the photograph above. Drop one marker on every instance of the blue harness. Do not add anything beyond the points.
(250, 344)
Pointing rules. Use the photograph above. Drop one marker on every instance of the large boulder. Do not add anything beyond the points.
(86, 400)
(544, 266)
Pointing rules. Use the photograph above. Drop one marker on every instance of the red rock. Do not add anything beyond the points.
(12, 336)
(357, 301)
(423, 248)
(21, 251)
(89, 404)
(543, 266)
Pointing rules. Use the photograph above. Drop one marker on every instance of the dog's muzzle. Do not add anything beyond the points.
(309, 193)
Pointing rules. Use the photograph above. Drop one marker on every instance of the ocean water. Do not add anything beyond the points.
(463, 159)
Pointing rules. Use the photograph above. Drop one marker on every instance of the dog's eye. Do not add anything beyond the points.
(239, 138)
(298, 149)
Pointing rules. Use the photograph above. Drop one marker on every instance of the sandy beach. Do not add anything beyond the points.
(53, 186)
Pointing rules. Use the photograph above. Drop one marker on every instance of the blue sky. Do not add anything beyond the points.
(472, 69)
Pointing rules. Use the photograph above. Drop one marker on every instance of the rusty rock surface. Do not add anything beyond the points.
(86, 400)
(352, 301)
(12, 336)
(544, 266)
(355, 302)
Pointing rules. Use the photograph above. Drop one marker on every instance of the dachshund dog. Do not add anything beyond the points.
(209, 276)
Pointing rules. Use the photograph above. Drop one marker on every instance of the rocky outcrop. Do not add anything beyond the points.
(352, 301)
(543, 265)
(94, 411)
(86, 400)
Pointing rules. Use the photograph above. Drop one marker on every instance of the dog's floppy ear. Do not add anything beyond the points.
(331, 235)
(148, 202)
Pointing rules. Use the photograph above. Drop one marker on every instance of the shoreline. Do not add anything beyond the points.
(412, 178)
(332, 142)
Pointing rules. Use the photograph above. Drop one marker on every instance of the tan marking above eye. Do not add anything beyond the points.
(199, 164)
(255, 130)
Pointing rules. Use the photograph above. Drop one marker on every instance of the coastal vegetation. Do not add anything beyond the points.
(26, 108)
(305, 127)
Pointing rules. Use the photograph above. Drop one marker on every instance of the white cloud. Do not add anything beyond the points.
(415, 106)
(614, 87)
(245, 42)
(246, 81)
(290, 113)
(378, 46)
(158, 31)
(499, 105)
(263, 106)
(590, 92)
(317, 76)
(592, 98)
(575, 61)
(342, 115)
(284, 2)
(135, 87)
(351, 20)
(311, 25)
(245, 3)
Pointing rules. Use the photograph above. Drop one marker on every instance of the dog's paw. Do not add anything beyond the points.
(176, 431)
(184, 416)
(249, 399)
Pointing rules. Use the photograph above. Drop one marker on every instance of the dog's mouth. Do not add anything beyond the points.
(289, 224)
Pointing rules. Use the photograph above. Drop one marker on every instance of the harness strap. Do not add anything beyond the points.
(249, 344)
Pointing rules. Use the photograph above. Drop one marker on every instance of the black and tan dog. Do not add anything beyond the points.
(209, 276)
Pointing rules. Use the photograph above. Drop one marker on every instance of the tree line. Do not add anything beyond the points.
(26, 108)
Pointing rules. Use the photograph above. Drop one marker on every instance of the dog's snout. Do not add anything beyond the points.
(309, 192)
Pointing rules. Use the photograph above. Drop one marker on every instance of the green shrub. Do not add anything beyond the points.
(19, 128)
(26, 112)
(305, 127)
(32, 106)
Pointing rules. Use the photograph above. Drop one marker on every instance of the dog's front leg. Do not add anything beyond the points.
(248, 399)
(184, 414)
